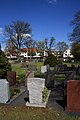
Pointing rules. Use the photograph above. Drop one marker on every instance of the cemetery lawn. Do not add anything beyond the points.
(17, 68)
(38, 65)
(27, 113)
(20, 72)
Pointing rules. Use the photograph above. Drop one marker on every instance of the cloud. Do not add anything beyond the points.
(52, 1)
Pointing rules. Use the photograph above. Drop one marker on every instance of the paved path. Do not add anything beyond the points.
(55, 98)
(20, 100)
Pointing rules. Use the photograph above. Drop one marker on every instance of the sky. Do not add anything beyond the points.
(48, 18)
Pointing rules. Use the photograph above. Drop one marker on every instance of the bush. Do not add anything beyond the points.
(14, 91)
(39, 74)
(45, 94)
(4, 65)
(51, 60)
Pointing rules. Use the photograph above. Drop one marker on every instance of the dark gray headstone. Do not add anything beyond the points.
(50, 78)
(78, 70)
(44, 69)
(71, 75)
(32, 67)
(61, 67)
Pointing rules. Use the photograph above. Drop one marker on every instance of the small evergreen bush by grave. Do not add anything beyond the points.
(15, 91)
(4, 65)
(51, 60)
(45, 94)
(39, 74)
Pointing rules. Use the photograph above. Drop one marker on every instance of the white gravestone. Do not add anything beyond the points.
(35, 87)
(44, 69)
(4, 91)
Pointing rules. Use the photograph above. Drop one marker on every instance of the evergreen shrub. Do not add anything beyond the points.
(4, 65)
(51, 60)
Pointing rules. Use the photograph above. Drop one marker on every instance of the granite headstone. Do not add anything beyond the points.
(11, 77)
(73, 96)
(44, 69)
(32, 67)
(35, 87)
(4, 91)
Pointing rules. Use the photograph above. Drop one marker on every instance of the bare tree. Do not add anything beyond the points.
(17, 33)
(49, 44)
(10, 48)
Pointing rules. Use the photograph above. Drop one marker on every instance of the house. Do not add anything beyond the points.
(56, 53)
(29, 53)
(24, 53)
(67, 54)
(32, 53)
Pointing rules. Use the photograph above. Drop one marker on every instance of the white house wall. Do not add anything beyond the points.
(67, 53)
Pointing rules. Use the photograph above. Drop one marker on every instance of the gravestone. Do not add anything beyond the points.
(73, 96)
(78, 70)
(11, 77)
(31, 67)
(35, 87)
(71, 75)
(4, 91)
(29, 74)
(49, 80)
(44, 69)
(61, 67)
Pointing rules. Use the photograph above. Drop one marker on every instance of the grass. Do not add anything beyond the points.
(38, 65)
(28, 113)
(38, 72)
(17, 68)
(20, 72)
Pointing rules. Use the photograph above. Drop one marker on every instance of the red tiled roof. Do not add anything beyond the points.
(28, 49)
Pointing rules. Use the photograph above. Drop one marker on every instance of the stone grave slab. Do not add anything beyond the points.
(4, 91)
(35, 87)
(11, 77)
(31, 67)
(44, 69)
(73, 96)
